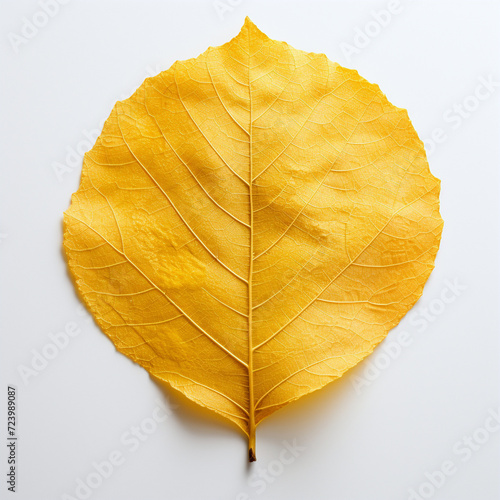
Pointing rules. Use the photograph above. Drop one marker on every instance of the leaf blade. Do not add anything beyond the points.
(251, 223)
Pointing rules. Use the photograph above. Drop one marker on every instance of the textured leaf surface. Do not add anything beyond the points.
(251, 223)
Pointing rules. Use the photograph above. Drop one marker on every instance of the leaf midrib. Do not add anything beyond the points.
(251, 405)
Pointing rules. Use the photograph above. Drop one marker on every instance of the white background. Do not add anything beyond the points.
(372, 444)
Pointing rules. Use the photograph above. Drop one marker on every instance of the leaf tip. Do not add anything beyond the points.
(251, 28)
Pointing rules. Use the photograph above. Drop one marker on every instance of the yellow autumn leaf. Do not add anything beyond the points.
(251, 223)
